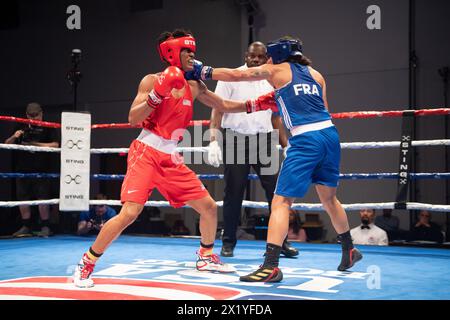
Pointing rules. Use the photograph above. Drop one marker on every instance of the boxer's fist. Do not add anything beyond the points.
(263, 102)
(199, 72)
(171, 78)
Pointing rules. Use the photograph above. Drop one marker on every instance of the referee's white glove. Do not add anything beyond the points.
(214, 154)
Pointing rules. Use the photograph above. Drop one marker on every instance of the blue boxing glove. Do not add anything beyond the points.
(199, 72)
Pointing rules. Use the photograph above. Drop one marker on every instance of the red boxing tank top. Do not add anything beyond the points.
(172, 116)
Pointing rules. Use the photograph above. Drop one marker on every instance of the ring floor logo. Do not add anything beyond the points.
(174, 280)
(111, 289)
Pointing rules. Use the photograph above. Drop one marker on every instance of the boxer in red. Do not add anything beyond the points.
(164, 107)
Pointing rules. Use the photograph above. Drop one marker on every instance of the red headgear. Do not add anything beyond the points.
(170, 50)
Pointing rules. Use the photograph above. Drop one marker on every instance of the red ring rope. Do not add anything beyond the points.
(343, 115)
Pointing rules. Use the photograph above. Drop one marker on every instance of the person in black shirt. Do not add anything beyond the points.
(33, 162)
(426, 230)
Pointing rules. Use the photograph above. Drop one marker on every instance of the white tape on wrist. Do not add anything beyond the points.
(251, 106)
(154, 99)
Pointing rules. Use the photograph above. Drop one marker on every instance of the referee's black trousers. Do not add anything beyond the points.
(236, 178)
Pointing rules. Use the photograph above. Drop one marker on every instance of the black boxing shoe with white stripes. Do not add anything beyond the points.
(263, 274)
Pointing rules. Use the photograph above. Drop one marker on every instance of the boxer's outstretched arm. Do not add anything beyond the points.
(263, 72)
(214, 101)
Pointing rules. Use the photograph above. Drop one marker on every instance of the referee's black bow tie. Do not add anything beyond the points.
(365, 227)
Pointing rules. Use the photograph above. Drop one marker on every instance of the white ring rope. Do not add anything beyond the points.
(109, 150)
(254, 205)
(344, 145)
(10, 204)
(390, 144)
(28, 148)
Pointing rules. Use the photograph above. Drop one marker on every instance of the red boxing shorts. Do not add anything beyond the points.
(148, 168)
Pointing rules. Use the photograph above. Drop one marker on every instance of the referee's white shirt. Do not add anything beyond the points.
(374, 236)
(242, 122)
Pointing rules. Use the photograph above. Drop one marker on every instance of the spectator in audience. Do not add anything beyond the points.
(368, 233)
(389, 223)
(425, 229)
(33, 162)
(92, 221)
(296, 232)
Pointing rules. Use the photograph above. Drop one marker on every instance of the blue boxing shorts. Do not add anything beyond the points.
(312, 157)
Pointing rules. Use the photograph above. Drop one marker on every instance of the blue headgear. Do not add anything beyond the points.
(281, 50)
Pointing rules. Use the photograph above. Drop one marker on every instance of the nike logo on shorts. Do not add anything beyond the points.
(131, 191)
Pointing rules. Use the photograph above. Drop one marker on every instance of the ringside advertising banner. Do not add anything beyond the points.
(75, 161)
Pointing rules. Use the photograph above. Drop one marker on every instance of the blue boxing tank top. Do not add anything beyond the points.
(300, 102)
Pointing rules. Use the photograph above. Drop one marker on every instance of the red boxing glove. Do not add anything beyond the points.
(171, 78)
(263, 102)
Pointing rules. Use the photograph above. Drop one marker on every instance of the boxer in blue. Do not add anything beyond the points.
(313, 154)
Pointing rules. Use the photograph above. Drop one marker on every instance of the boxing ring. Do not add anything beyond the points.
(137, 267)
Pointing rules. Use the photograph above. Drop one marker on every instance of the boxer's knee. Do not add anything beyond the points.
(209, 209)
(281, 202)
(206, 207)
(330, 204)
(327, 196)
(129, 213)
